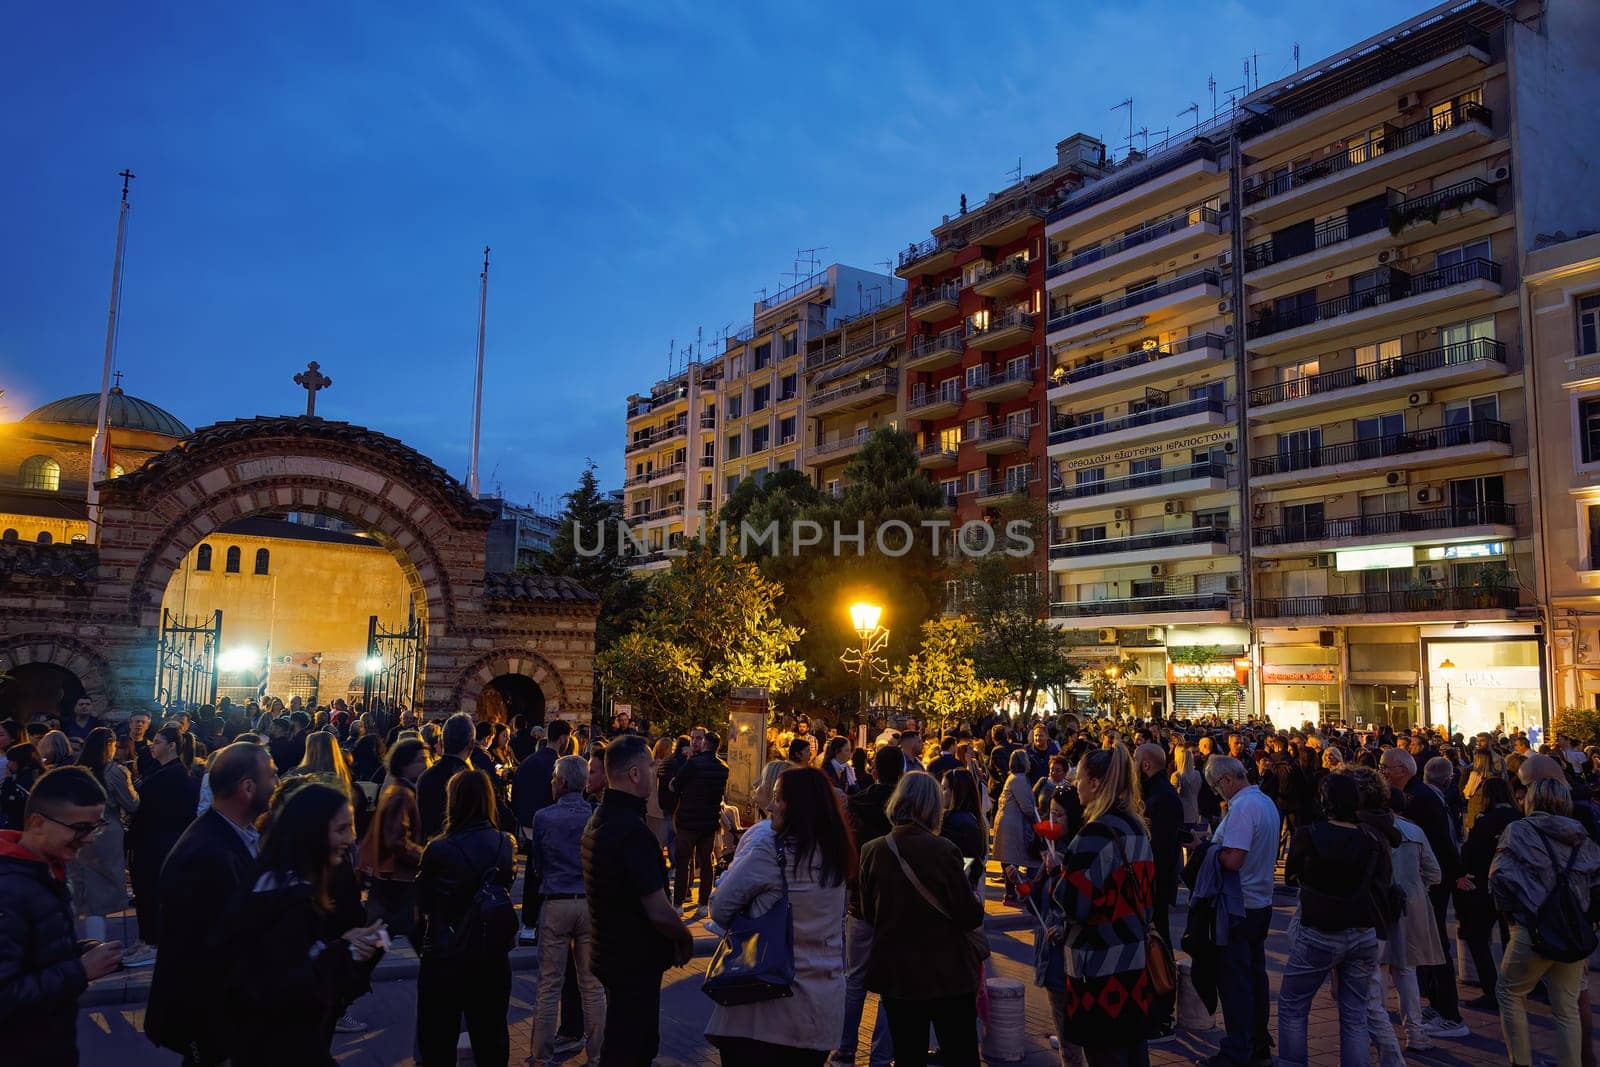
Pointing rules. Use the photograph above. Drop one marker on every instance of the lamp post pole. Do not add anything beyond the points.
(866, 660)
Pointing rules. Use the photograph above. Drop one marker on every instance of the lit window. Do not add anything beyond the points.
(263, 560)
(202, 558)
(41, 472)
(233, 560)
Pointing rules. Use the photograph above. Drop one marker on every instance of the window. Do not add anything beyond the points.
(1302, 522)
(736, 367)
(1088, 480)
(735, 407)
(760, 439)
(731, 484)
(788, 387)
(1446, 113)
(791, 344)
(202, 558)
(45, 538)
(1214, 518)
(1214, 391)
(233, 560)
(1090, 533)
(951, 488)
(41, 472)
(1589, 325)
(1589, 423)
(733, 448)
(263, 560)
(1466, 253)
(1456, 339)
(709, 453)
(950, 439)
(1472, 493)
(1462, 412)
(1379, 426)
(1380, 360)
(760, 398)
(786, 428)
(762, 356)
(1298, 450)
(1593, 514)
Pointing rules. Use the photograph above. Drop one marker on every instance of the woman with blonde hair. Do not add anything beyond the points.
(1187, 780)
(55, 750)
(767, 783)
(1107, 900)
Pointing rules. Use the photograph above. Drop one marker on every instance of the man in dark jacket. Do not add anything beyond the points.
(699, 786)
(458, 740)
(1164, 812)
(870, 820)
(1285, 784)
(999, 767)
(44, 969)
(210, 865)
(530, 791)
(1040, 749)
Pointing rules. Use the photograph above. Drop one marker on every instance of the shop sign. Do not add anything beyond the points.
(1483, 551)
(1209, 439)
(1219, 672)
(1374, 559)
(1289, 674)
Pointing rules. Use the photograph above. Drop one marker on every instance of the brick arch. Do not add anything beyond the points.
(68, 653)
(501, 661)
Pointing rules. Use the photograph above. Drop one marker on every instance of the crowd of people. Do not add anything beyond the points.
(273, 854)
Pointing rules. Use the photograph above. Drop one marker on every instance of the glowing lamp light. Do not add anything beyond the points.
(238, 659)
(865, 616)
(372, 664)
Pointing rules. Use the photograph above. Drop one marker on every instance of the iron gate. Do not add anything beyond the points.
(186, 659)
(393, 664)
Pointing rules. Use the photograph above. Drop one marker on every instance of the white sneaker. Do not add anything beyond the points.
(528, 935)
(349, 1024)
(1442, 1027)
(143, 957)
(1417, 1038)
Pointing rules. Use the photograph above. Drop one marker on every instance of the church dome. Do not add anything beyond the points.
(124, 413)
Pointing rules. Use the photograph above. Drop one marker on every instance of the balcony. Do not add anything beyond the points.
(1162, 361)
(993, 491)
(929, 257)
(708, 420)
(1160, 240)
(1002, 278)
(990, 386)
(671, 511)
(659, 436)
(1165, 484)
(834, 451)
(1394, 297)
(1002, 438)
(1000, 224)
(1181, 173)
(1067, 436)
(1442, 525)
(658, 560)
(1002, 329)
(1459, 442)
(934, 402)
(863, 392)
(1157, 547)
(937, 456)
(941, 302)
(1320, 101)
(1188, 292)
(667, 473)
(931, 353)
(1344, 169)
(1459, 603)
(1149, 610)
(1456, 364)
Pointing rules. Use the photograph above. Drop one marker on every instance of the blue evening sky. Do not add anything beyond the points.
(316, 181)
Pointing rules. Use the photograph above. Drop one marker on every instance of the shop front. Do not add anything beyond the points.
(1485, 682)
(1297, 690)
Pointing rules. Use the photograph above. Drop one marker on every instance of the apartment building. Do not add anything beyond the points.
(670, 460)
(1562, 300)
(763, 372)
(845, 403)
(974, 363)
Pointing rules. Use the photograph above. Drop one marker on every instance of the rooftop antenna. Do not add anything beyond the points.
(1297, 57)
(886, 264)
(477, 392)
(672, 356)
(811, 260)
(1255, 61)
(1211, 83)
(100, 447)
(1193, 107)
(1128, 103)
(1144, 131)
(1015, 173)
(699, 342)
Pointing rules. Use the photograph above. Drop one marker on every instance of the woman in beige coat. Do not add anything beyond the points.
(818, 855)
(1414, 940)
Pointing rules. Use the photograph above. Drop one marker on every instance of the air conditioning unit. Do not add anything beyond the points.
(1322, 561)
(1502, 173)
(1235, 583)
(1225, 259)
(1120, 515)
(1173, 507)
(1428, 494)
(1395, 478)
(1157, 570)
(1107, 636)
(1230, 447)
(1224, 307)
(1388, 255)
(1419, 398)
(1408, 101)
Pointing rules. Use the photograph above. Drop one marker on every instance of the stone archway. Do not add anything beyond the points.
(69, 654)
(514, 662)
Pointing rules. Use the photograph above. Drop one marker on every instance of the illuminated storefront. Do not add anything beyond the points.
(1492, 682)
(1300, 684)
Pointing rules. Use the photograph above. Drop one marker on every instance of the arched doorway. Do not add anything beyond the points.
(39, 689)
(510, 695)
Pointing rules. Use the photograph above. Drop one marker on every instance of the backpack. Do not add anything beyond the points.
(489, 925)
(1560, 929)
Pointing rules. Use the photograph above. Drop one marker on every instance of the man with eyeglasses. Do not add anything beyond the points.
(43, 970)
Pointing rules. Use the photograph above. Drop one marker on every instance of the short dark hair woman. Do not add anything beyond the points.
(287, 971)
(963, 821)
(391, 850)
(818, 856)
(1474, 907)
(98, 874)
(24, 768)
(455, 977)
(168, 799)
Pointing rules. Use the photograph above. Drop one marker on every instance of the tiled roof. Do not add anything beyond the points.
(537, 587)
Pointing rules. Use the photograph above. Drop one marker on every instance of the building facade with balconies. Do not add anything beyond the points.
(849, 395)
(669, 460)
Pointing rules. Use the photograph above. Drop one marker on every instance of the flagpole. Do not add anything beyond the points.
(477, 392)
(97, 447)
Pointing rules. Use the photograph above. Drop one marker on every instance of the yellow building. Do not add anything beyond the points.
(843, 405)
(670, 461)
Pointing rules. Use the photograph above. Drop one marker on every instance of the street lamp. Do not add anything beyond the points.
(1447, 668)
(865, 660)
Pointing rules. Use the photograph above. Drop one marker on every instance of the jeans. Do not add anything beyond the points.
(1242, 987)
(1313, 955)
(1380, 1031)
(633, 1021)
(449, 989)
(694, 851)
(565, 923)
(857, 949)
(954, 1019)
(1520, 970)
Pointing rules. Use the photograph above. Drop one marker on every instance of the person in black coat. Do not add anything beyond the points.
(167, 802)
(43, 966)
(458, 740)
(210, 867)
(530, 791)
(700, 787)
(1163, 811)
(1475, 910)
(1426, 807)
(451, 980)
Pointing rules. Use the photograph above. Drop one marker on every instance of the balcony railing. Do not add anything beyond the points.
(1143, 235)
(1387, 524)
(1442, 598)
(987, 378)
(922, 250)
(1062, 429)
(1455, 435)
(1325, 234)
(1087, 371)
(1356, 155)
(883, 379)
(1143, 480)
(1429, 205)
(1199, 535)
(1077, 316)
(924, 345)
(1015, 267)
(943, 393)
(949, 293)
(1391, 285)
(1016, 318)
(1098, 192)
(708, 420)
(844, 444)
(664, 433)
(1004, 431)
(1011, 483)
(1478, 350)
(1140, 605)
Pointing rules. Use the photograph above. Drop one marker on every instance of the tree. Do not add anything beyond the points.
(1220, 691)
(710, 625)
(585, 548)
(1108, 686)
(1017, 643)
(940, 681)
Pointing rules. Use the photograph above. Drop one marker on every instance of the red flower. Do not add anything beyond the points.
(1050, 831)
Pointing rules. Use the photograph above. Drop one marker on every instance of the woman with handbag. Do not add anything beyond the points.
(1107, 901)
(1014, 840)
(798, 860)
(928, 941)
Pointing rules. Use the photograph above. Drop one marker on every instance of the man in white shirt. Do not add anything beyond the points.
(1248, 839)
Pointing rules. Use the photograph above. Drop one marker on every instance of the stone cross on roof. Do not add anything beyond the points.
(312, 380)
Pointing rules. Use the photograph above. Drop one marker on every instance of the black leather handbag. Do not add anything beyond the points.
(754, 962)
